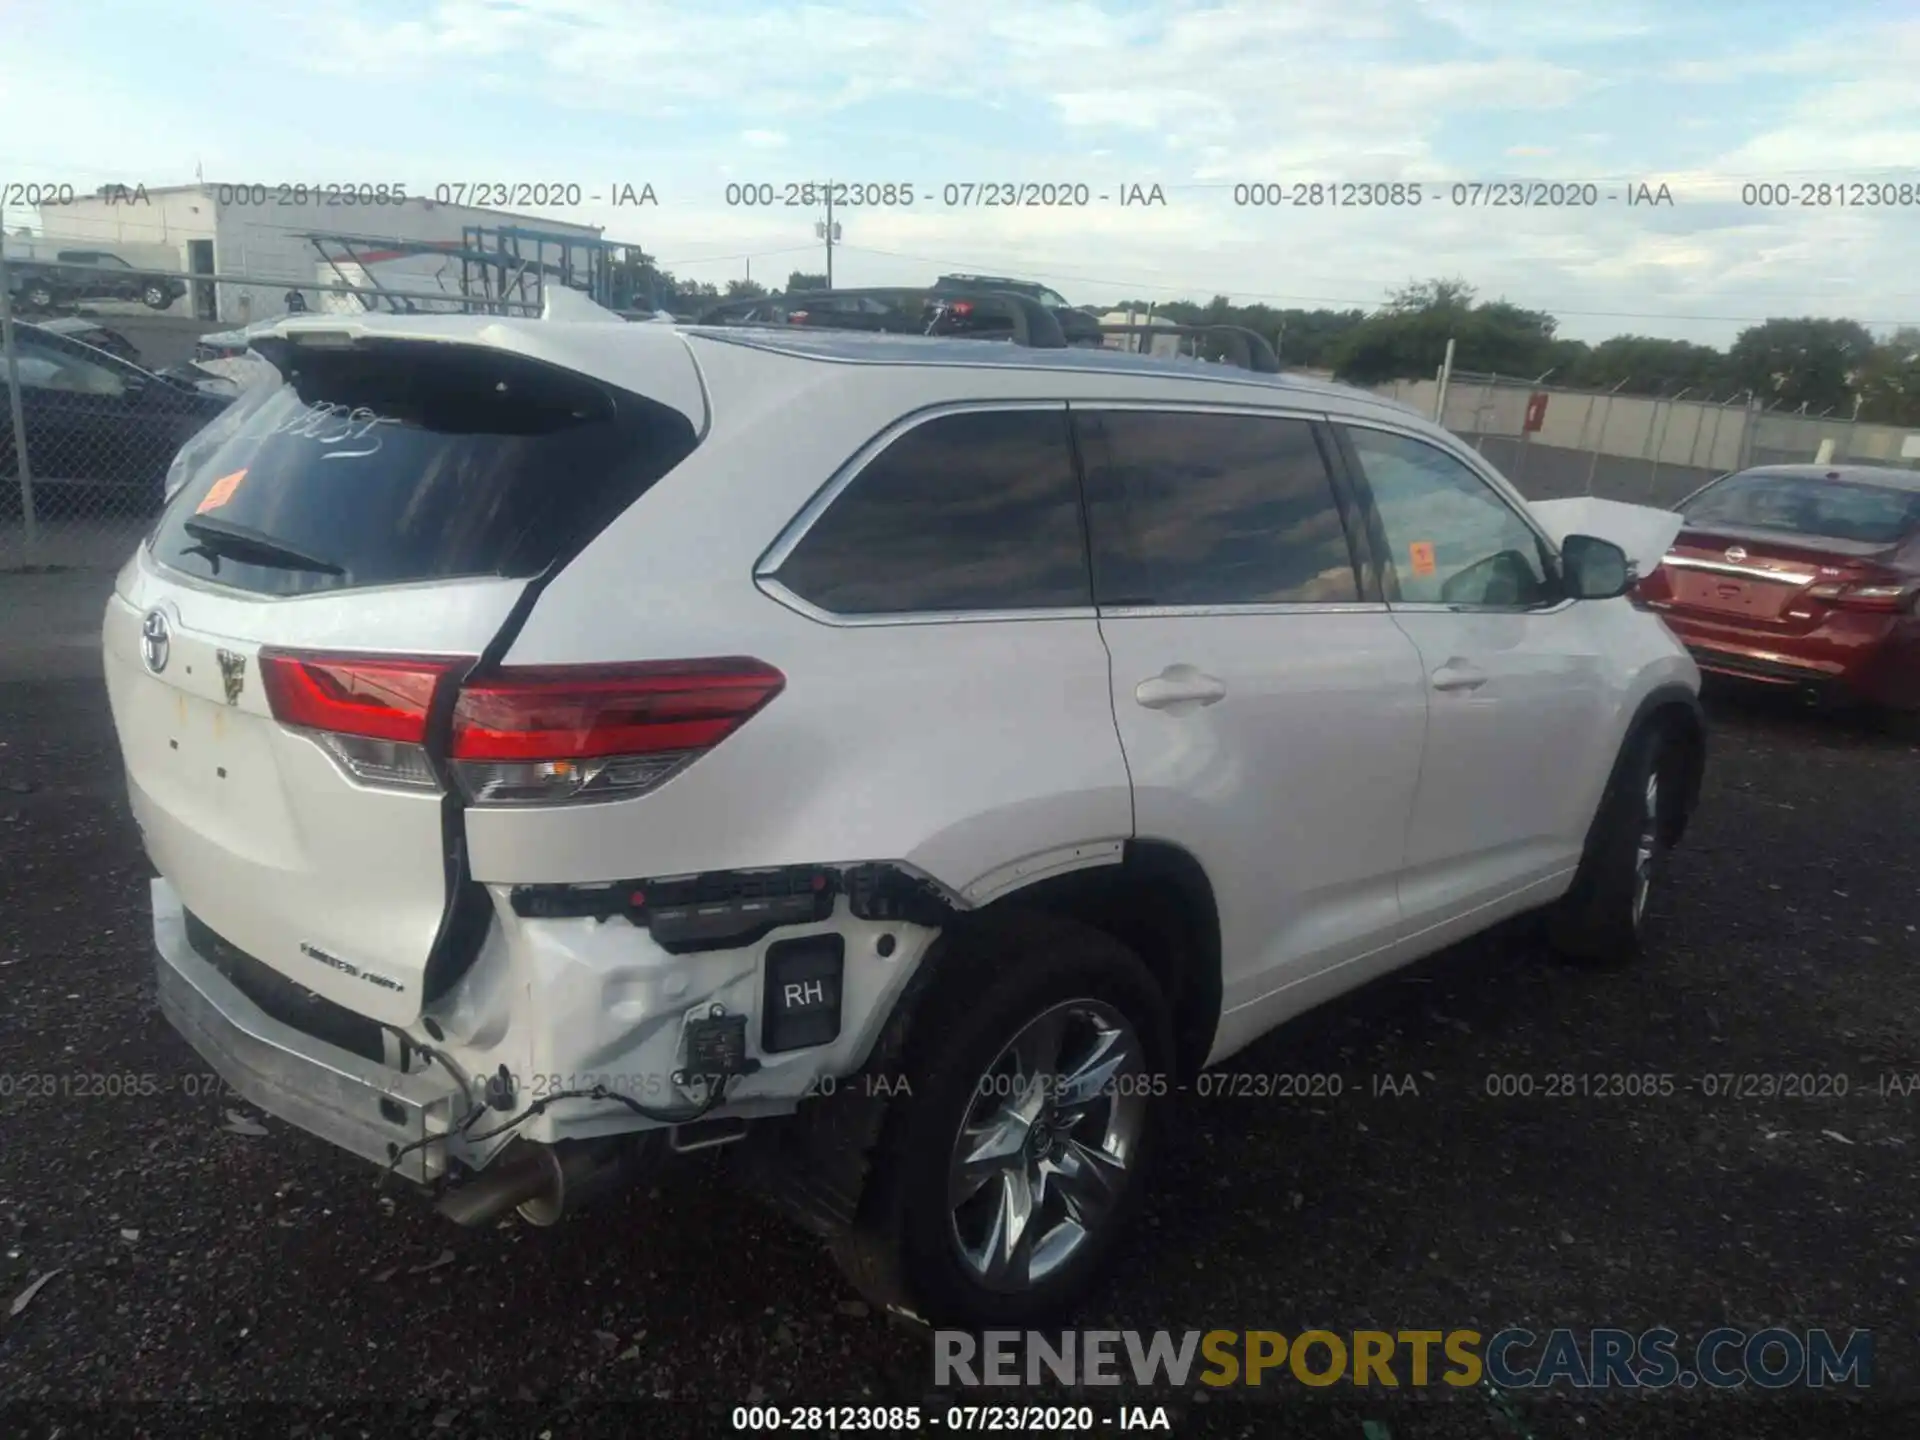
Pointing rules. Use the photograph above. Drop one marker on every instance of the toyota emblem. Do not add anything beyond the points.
(156, 640)
(1736, 556)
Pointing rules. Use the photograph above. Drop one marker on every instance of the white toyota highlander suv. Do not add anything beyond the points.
(906, 761)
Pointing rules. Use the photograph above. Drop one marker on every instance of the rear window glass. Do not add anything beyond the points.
(397, 461)
(1809, 505)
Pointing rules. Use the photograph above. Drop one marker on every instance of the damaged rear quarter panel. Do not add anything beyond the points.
(570, 1003)
(956, 747)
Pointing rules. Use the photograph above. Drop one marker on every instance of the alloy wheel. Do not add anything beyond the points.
(1047, 1146)
(1647, 849)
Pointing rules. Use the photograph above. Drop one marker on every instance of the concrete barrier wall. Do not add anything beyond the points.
(1656, 433)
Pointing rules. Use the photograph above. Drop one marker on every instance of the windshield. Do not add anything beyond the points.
(400, 462)
(1810, 506)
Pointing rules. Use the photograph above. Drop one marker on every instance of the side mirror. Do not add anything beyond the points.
(1595, 569)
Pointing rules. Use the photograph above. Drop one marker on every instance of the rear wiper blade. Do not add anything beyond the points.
(242, 542)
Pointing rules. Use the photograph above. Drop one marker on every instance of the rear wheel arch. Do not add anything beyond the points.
(1674, 711)
(1160, 904)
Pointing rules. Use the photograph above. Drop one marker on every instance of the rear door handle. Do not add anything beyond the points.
(1458, 675)
(1179, 686)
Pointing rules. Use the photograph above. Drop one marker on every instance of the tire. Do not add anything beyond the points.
(38, 294)
(1603, 917)
(1003, 983)
(155, 297)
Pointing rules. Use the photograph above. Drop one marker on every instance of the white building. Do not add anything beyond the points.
(259, 231)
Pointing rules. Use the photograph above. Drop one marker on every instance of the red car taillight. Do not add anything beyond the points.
(532, 735)
(961, 307)
(369, 712)
(1891, 597)
(599, 731)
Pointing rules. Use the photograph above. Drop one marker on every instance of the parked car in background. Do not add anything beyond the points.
(41, 287)
(890, 311)
(101, 432)
(748, 310)
(91, 332)
(957, 316)
(1803, 576)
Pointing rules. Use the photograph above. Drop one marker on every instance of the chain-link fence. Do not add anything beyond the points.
(103, 385)
(1554, 442)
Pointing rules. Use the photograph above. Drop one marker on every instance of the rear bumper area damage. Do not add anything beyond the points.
(361, 1105)
(577, 1023)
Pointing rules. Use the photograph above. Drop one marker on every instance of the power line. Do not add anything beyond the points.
(744, 255)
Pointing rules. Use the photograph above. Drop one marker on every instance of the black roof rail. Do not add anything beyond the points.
(1246, 349)
(1033, 324)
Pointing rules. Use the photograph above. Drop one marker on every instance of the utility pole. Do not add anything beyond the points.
(829, 233)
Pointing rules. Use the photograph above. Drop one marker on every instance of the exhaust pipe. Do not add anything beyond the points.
(546, 1182)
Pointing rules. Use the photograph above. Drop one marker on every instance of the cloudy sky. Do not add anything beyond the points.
(1196, 96)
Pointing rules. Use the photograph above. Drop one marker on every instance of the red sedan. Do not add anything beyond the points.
(1801, 575)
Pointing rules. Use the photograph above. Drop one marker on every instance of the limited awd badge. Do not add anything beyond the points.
(156, 640)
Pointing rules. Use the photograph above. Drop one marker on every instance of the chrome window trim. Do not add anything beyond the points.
(796, 529)
(1752, 572)
(780, 594)
(1251, 607)
(1440, 607)
(1207, 407)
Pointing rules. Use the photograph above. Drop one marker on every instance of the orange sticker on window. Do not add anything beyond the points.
(1420, 553)
(220, 492)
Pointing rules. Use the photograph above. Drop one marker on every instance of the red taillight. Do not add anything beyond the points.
(577, 713)
(1888, 597)
(601, 732)
(961, 307)
(796, 317)
(532, 735)
(376, 696)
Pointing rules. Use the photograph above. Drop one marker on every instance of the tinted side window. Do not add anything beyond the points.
(1197, 509)
(973, 511)
(1450, 538)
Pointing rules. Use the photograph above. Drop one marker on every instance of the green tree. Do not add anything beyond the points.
(1805, 362)
(745, 290)
(1407, 337)
(1647, 365)
(1888, 382)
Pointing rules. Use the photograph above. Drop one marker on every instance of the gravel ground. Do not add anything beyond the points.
(233, 1272)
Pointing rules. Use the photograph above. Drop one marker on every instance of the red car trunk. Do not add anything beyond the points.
(1800, 576)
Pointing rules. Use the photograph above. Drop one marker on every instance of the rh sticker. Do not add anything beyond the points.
(1420, 555)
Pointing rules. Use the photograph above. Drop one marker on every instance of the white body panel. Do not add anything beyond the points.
(254, 826)
(1303, 845)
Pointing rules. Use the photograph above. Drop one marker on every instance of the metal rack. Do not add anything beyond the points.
(1029, 324)
(1244, 349)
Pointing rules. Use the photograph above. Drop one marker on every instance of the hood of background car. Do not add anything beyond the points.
(1643, 531)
